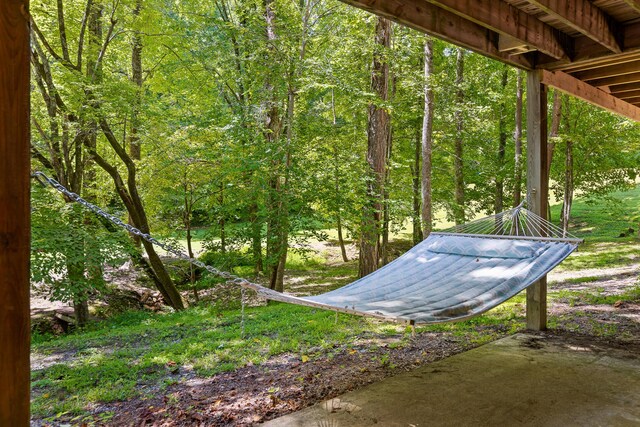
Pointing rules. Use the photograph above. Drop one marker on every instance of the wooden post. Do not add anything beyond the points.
(537, 186)
(14, 213)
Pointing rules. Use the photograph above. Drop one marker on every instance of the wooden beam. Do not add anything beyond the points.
(603, 62)
(630, 94)
(632, 99)
(503, 18)
(616, 80)
(608, 71)
(440, 23)
(568, 84)
(537, 186)
(584, 17)
(14, 214)
(586, 51)
(634, 4)
(513, 46)
(629, 87)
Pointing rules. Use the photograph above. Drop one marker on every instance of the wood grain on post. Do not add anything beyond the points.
(14, 213)
(537, 186)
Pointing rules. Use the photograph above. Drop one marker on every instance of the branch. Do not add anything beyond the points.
(107, 40)
(41, 158)
(44, 41)
(83, 28)
(119, 149)
(113, 172)
(45, 71)
(63, 33)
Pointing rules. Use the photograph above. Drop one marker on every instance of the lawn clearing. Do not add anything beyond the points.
(197, 365)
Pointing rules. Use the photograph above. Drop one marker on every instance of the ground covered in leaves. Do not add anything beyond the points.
(197, 367)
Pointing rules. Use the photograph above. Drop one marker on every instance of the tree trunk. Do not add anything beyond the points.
(427, 139)
(336, 180)
(222, 220)
(568, 186)
(502, 145)
(256, 238)
(415, 173)
(283, 206)
(272, 128)
(128, 193)
(556, 115)
(377, 136)
(188, 209)
(76, 274)
(517, 136)
(136, 78)
(458, 163)
(384, 248)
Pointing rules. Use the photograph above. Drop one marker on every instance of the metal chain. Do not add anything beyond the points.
(180, 253)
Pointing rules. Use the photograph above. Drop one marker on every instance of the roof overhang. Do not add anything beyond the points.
(587, 48)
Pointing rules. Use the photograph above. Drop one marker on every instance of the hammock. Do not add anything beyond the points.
(452, 275)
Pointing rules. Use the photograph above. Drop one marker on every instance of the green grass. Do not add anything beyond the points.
(140, 353)
(116, 358)
(595, 297)
(603, 220)
(600, 223)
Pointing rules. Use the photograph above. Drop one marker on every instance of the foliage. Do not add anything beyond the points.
(64, 237)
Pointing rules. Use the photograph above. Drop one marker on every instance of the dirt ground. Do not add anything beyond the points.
(284, 384)
(255, 394)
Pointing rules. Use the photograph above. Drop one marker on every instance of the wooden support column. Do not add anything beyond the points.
(14, 213)
(537, 185)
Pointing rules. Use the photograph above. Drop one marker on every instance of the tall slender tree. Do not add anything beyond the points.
(517, 138)
(427, 139)
(458, 159)
(377, 149)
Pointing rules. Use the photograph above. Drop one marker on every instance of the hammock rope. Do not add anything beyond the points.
(453, 275)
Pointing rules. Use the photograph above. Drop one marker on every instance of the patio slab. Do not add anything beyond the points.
(524, 379)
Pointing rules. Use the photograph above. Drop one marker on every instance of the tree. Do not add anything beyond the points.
(458, 160)
(427, 140)
(377, 149)
(90, 113)
(517, 139)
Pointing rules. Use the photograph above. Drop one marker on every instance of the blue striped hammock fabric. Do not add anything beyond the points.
(447, 277)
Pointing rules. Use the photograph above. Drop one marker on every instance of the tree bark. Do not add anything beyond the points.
(128, 193)
(568, 186)
(377, 136)
(256, 238)
(427, 139)
(517, 137)
(136, 78)
(386, 217)
(502, 145)
(458, 162)
(556, 116)
(336, 180)
(415, 174)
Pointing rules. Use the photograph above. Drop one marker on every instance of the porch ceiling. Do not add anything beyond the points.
(588, 48)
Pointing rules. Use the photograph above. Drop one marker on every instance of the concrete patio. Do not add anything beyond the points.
(535, 380)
